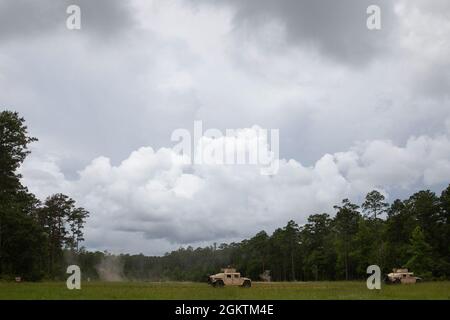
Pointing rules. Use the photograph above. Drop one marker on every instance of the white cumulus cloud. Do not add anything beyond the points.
(154, 201)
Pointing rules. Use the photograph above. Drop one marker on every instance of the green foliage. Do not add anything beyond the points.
(20, 237)
(421, 254)
(317, 248)
(324, 248)
(63, 224)
(14, 142)
(346, 227)
(374, 204)
(31, 235)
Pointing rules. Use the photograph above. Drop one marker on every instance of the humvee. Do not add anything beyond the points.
(229, 277)
(401, 276)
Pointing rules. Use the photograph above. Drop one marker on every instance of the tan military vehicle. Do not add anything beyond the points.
(401, 276)
(229, 277)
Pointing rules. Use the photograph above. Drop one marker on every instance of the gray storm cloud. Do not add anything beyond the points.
(336, 28)
(28, 18)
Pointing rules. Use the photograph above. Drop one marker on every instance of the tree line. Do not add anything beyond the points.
(34, 235)
(412, 233)
(38, 240)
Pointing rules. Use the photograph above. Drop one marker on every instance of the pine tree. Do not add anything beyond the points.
(421, 254)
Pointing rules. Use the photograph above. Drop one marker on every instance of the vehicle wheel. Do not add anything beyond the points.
(218, 284)
(247, 284)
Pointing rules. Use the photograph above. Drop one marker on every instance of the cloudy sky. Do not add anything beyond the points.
(356, 109)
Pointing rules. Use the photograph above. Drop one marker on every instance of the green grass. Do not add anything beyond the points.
(190, 290)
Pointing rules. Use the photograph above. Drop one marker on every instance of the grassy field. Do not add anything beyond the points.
(189, 291)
